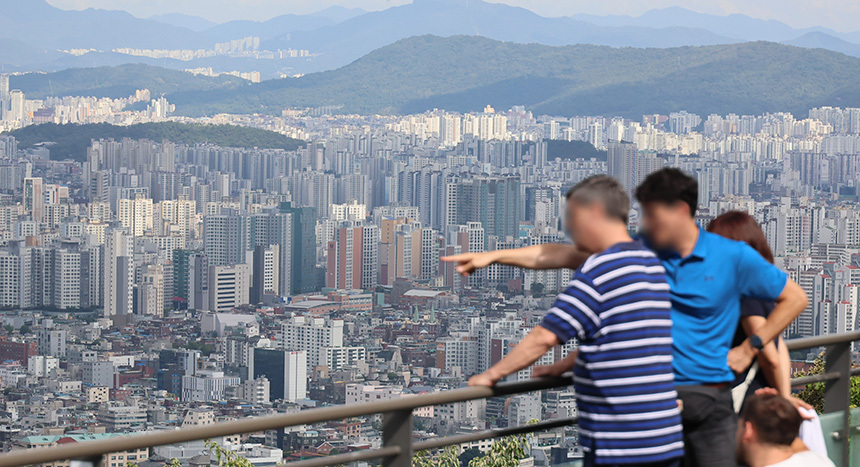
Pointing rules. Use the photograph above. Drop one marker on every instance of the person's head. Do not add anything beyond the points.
(668, 198)
(594, 206)
(766, 424)
(740, 226)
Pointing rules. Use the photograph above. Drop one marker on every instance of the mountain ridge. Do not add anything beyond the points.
(465, 73)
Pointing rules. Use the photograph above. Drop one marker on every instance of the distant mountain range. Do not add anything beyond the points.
(344, 42)
(465, 73)
(194, 23)
(32, 33)
(41, 25)
(737, 27)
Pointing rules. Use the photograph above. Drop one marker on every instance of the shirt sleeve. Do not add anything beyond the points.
(755, 307)
(575, 312)
(756, 277)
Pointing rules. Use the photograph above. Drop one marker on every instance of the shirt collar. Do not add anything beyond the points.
(634, 244)
(701, 249)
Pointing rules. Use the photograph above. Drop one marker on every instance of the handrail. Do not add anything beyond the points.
(822, 341)
(405, 405)
(90, 449)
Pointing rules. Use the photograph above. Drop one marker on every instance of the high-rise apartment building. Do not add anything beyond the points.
(118, 273)
(492, 201)
(274, 228)
(303, 255)
(4, 96)
(225, 237)
(630, 165)
(151, 291)
(353, 257)
(34, 198)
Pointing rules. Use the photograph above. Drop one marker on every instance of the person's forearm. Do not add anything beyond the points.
(791, 302)
(545, 256)
(768, 360)
(528, 351)
(789, 306)
(784, 369)
(569, 361)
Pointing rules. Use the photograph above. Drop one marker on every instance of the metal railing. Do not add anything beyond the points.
(398, 446)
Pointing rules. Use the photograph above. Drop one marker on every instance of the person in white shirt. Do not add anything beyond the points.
(767, 428)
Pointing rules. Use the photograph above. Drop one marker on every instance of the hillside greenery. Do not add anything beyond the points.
(118, 81)
(813, 393)
(465, 73)
(72, 141)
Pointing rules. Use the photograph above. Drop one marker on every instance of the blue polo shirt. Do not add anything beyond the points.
(706, 291)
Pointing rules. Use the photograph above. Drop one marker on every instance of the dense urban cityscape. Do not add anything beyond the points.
(157, 284)
(154, 284)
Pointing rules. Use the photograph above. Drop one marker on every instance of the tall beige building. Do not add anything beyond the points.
(136, 215)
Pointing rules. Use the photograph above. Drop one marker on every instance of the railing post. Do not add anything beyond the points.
(837, 393)
(397, 431)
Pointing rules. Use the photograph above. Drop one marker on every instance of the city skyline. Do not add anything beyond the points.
(211, 224)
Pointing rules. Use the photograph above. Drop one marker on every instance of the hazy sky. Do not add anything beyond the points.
(842, 15)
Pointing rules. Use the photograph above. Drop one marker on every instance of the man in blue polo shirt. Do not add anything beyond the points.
(708, 275)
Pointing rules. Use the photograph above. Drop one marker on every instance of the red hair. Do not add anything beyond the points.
(742, 227)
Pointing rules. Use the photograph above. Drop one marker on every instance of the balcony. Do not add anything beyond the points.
(842, 436)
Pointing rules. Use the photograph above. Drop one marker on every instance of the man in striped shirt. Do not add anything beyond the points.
(618, 308)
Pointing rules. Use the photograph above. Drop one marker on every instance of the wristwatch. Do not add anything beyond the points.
(756, 343)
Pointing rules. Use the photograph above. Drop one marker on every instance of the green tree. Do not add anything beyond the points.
(227, 458)
(25, 329)
(445, 458)
(203, 347)
(813, 394)
(9, 329)
(537, 289)
(468, 455)
(505, 452)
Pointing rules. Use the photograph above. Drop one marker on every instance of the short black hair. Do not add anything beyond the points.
(775, 419)
(669, 186)
(605, 190)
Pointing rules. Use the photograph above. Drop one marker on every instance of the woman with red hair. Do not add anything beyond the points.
(773, 361)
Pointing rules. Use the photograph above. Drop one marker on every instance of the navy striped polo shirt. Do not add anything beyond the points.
(618, 307)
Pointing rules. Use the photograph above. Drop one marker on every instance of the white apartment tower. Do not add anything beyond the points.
(136, 215)
(118, 278)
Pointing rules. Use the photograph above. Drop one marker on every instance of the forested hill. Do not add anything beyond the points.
(71, 141)
(465, 73)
